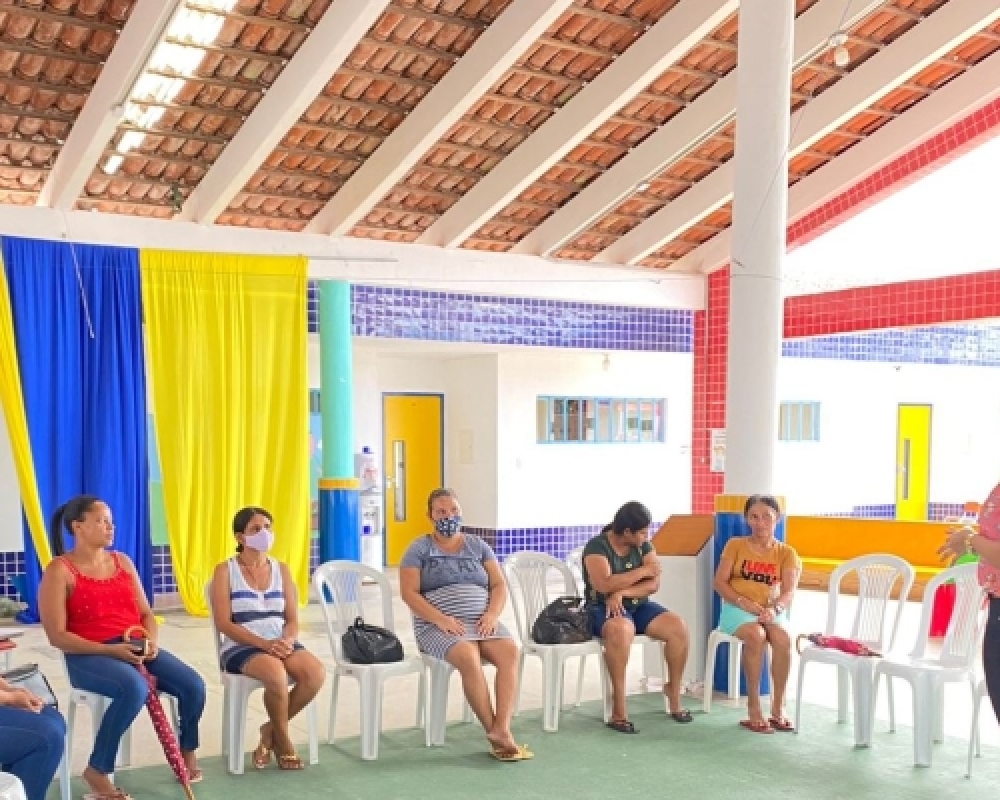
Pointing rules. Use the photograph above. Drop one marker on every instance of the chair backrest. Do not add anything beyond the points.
(527, 575)
(216, 636)
(877, 575)
(338, 587)
(968, 619)
(574, 560)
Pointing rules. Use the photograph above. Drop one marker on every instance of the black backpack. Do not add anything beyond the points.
(370, 644)
(563, 621)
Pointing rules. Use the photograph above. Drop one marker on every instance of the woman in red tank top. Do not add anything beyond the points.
(89, 596)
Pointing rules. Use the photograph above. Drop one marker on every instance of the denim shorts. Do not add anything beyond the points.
(234, 661)
(641, 615)
(732, 617)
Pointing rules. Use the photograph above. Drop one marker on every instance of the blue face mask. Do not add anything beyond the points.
(448, 526)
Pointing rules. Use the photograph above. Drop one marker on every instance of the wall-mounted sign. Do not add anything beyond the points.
(717, 449)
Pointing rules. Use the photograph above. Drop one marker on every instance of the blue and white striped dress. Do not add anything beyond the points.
(261, 613)
(456, 584)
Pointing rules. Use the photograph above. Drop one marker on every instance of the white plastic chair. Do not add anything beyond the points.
(236, 691)
(975, 745)
(338, 586)
(527, 584)
(877, 574)
(715, 638)
(11, 787)
(926, 671)
(98, 706)
(437, 717)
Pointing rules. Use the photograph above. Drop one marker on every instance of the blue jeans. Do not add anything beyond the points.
(128, 691)
(31, 747)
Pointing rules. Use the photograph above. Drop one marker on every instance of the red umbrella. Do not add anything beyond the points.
(848, 646)
(164, 732)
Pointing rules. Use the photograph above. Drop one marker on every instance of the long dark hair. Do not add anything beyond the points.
(64, 517)
(243, 517)
(633, 516)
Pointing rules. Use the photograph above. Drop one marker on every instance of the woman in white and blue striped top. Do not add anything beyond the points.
(255, 605)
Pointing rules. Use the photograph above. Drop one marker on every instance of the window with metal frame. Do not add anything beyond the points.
(600, 420)
(798, 422)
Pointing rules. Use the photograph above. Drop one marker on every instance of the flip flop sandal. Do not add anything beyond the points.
(511, 754)
(195, 775)
(781, 724)
(683, 716)
(118, 794)
(290, 762)
(622, 726)
(757, 726)
(261, 756)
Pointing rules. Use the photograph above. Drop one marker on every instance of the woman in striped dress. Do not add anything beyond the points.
(452, 583)
(255, 605)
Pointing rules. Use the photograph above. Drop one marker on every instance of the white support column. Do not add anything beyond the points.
(760, 201)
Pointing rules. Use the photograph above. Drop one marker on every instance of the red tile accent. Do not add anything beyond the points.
(912, 165)
(711, 328)
(956, 298)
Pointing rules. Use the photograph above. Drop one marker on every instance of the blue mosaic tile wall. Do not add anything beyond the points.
(10, 564)
(935, 511)
(555, 541)
(975, 345)
(163, 571)
(397, 313)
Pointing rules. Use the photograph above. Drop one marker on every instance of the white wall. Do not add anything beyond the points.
(854, 462)
(584, 484)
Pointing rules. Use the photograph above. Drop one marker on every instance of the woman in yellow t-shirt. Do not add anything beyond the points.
(756, 579)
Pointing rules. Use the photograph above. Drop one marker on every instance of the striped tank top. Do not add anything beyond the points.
(261, 613)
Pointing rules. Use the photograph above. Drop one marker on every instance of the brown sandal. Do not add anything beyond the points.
(261, 756)
(290, 761)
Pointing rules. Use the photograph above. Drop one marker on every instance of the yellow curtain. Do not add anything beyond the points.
(226, 346)
(17, 426)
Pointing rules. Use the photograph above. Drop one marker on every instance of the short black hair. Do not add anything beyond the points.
(633, 516)
(768, 500)
(63, 518)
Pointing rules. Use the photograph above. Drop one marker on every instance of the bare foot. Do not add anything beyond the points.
(98, 782)
(191, 762)
(501, 740)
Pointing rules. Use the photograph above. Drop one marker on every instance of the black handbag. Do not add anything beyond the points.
(370, 644)
(30, 677)
(563, 621)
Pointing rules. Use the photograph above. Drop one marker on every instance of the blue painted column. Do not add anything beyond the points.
(729, 523)
(339, 513)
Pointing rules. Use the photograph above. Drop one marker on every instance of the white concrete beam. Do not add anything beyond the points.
(103, 110)
(329, 44)
(495, 51)
(948, 105)
(872, 80)
(664, 44)
(707, 115)
(373, 262)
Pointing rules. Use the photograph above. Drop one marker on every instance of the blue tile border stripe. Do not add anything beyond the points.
(976, 345)
(417, 314)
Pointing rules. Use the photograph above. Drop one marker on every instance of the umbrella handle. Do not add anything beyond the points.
(144, 637)
(798, 642)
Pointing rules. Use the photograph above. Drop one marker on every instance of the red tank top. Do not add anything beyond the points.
(101, 609)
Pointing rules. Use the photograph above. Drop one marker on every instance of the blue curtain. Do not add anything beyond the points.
(78, 328)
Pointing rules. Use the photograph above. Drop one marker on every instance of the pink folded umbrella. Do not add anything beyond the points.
(848, 646)
(164, 732)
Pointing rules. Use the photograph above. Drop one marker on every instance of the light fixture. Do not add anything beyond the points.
(841, 55)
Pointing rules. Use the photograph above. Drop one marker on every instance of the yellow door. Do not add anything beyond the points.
(913, 461)
(412, 444)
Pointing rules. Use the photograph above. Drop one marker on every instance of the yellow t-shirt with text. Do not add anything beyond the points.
(757, 576)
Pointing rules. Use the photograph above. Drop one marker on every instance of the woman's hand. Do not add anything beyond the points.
(280, 648)
(750, 607)
(613, 604)
(487, 624)
(955, 544)
(151, 650)
(124, 651)
(21, 698)
(767, 616)
(451, 625)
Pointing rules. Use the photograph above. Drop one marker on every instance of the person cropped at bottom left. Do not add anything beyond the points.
(89, 597)
(32, 739)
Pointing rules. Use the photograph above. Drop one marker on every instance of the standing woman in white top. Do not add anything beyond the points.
(255, 605)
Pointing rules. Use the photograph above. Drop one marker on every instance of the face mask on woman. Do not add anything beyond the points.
(448, 526)
(262, 540)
